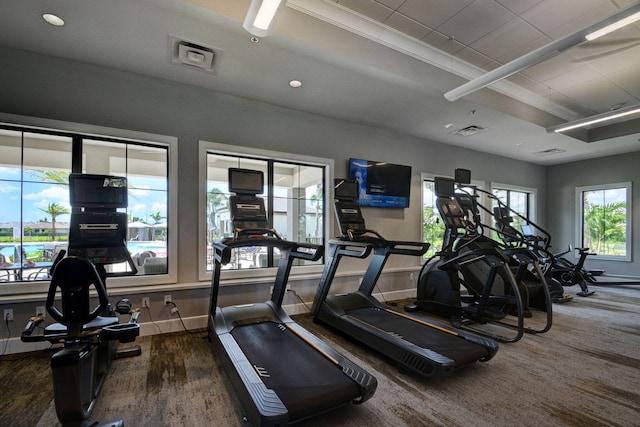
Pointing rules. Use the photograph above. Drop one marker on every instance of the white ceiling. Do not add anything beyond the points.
(384, 63)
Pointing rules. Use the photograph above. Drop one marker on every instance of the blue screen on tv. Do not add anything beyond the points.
(381, 184)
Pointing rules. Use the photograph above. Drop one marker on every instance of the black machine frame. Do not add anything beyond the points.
(97, 238)
(426, 348)
(302, 376)
(503, 282)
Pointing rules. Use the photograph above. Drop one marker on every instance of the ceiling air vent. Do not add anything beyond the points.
(469, 130)
(193, 55)
(549, 152)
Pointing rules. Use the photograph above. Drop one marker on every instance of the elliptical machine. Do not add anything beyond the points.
(97, 237)
(501, 285)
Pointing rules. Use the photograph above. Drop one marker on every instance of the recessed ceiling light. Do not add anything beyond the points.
(295, 83)
(52, 19)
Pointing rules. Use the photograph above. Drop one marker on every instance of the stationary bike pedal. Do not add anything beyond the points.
(128, 352)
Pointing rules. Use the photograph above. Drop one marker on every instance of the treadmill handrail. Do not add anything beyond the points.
(394, 246)
(307, 251)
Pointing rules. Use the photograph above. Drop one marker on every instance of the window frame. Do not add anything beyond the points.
(257, 275)
(24, 290)
(532, 199)
(579, 229)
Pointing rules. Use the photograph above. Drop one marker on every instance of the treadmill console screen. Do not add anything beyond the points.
(444, 187)
(345, 189)
(246, 181)
(97, 191)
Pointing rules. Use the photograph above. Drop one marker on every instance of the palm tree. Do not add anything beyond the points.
(55, 210)
(215, 199)
(59, 177)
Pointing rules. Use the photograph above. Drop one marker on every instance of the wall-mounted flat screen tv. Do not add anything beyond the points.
(381, 184)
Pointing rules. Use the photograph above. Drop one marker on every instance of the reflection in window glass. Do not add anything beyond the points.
(145, 168)
(34, 198)
(518, 201)
(34, 210)
(294, 199)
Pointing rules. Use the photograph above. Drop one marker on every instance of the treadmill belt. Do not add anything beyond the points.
(454, 347)
(305, 380)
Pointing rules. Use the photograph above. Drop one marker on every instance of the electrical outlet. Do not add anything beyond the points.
(167, 299)
(41, 311)
(8, 314)
(145, 302)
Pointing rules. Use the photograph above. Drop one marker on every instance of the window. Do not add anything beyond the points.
(518, 200)
(432, 225)
(294, 197)
(34, 197)
(605, 219)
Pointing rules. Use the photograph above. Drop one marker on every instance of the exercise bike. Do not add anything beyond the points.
(89, 336)
(97, 237)
(569, 273)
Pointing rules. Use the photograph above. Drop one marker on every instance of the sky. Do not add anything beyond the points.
(143, 201)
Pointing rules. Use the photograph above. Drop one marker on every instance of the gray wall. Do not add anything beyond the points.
(51, 88)
(561, 201)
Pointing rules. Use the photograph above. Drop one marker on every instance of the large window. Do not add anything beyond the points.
(604, 220)
(294, 198)
(34, 197)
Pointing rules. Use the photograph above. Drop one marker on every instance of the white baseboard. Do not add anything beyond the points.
(14, 345)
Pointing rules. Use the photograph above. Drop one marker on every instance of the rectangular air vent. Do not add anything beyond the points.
(193, 55)
(468, 131)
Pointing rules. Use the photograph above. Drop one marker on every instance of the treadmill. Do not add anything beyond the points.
(422, 347)
(281, 372)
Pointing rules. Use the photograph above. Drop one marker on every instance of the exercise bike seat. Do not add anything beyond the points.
(97, 323)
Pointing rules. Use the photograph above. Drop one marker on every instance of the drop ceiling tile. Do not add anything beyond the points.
(599, 95)
(443, 42)
(562, 99)
(575, 77)
(476, 21)
(530, 46)
(518, 6)
(583, 21)
(370, 8)
(507, 38)
(628, 79)
(393, 4)
(522, 80)
(549, 15)
(474, 57)
(433, 13)
(551, 68)
(407, 26)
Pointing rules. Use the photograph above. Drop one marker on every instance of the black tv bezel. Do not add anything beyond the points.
(397, 201)
(78, 202)
(247, 172)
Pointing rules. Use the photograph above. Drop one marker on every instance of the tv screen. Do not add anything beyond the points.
(381, 184)
(345, 189)
(246, 181)
(97, 191)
